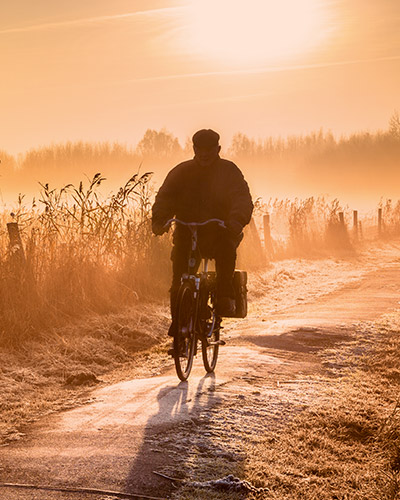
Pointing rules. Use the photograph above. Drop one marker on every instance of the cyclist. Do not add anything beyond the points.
(205, 187)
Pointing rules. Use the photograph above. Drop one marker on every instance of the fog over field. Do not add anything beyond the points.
(360, 169)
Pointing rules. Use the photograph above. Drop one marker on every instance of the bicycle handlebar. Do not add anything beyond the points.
(220, 222)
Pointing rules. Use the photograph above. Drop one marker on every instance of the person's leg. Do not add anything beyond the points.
(179, 256)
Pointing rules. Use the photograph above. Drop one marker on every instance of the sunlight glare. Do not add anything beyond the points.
(254, 31)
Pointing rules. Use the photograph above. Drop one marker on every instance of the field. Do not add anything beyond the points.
(84, 303)
(332, 434)
(297, 408)
(82, 254)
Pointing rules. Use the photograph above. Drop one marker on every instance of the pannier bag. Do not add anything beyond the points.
(240, 286)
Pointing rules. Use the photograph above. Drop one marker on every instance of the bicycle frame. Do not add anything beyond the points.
(197, 327)
(198, 278)
(192, 261)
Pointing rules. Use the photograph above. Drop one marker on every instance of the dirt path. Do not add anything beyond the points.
(116, 441)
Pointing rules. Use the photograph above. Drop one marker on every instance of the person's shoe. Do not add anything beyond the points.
(172, 329)
(171, 351)
(226, 306)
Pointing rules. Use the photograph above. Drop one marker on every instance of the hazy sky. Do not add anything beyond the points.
(101, 70)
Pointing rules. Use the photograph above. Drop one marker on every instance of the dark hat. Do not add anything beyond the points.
(205, 138)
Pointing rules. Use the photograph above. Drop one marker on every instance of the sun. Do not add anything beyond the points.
(254, 31)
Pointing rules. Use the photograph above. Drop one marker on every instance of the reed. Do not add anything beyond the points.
(307, 228)
(84, 254)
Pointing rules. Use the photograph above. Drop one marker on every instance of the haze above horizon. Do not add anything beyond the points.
(98, 71)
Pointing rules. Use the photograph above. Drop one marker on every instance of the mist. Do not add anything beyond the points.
(360, 169)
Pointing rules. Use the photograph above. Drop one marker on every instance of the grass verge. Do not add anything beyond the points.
(55, 370)
(334, 436)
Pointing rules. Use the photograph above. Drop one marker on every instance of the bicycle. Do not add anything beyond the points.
(195, 314)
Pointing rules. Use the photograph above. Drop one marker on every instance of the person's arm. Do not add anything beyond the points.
(164, 206)
(241, 203)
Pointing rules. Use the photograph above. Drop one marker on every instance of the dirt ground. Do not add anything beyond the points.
(272, 368)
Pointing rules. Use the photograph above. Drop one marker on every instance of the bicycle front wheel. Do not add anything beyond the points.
(185, 338)
(210, 342)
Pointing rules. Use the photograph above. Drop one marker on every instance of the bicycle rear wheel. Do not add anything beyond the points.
(185, 338)
(210, 341)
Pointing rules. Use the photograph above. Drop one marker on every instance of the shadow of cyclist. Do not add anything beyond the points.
(166, 438)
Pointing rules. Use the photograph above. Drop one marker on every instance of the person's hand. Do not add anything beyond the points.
(234, 227)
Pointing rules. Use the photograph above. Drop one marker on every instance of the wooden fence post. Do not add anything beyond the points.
(17, 249)
(355, 224)
(251, 253)
(380, 221)
(22, 271)
(267, 236)
(256, 237)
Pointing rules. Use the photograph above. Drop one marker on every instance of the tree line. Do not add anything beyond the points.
(319, 159)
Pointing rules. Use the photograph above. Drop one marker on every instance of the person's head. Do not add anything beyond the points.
(206, 147)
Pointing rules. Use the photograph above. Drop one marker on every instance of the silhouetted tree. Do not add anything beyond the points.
(242, 146)
(8, 162)
(394, 125)
(158, 144)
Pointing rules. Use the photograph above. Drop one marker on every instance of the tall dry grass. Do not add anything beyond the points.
(84, 254)
(88, 253)
(319, 227)
(308, 227)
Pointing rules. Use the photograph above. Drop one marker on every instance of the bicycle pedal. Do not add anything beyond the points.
(171, 352)
(218, 342)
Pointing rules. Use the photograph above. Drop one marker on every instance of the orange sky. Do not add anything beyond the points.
(101, 70)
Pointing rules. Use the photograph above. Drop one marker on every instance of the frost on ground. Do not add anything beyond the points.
(290, 282)
(42, 376)
(286, 418)
(319, 435)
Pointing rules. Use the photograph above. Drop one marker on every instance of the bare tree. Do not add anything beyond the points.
(394, 125)
(158, 144)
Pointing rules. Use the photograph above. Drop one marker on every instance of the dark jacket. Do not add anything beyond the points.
(194, 193)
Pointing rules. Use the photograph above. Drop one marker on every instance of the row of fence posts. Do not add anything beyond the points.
(18, 254)
(357, 231)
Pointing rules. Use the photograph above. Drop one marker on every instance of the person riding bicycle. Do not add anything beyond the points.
(205, 187)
